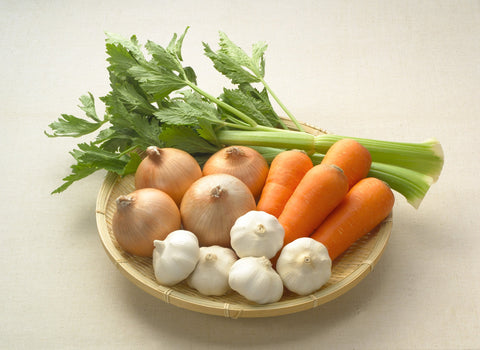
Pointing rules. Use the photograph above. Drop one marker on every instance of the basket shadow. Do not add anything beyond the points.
(206, 330)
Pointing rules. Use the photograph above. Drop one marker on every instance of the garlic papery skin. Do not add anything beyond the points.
(210, 276)
(257, 233)
(304, 265)
(175, 257)
(255, 279)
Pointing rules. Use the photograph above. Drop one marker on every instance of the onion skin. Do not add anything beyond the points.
(142, 217)
(211, 206)
(242, 162)
(168, 169)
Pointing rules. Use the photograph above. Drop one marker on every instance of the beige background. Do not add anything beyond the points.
(397, 70)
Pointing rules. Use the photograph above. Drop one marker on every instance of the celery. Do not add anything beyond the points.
(425, 158)
(156, 100)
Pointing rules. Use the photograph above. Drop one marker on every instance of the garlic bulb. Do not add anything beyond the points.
(255, 279)
(257, 233)
(210, 276)
(304, 265)
(175, 257)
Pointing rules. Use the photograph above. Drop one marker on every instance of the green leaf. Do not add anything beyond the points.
(162, 57)
(237, 54)
(206, 130)
(190, 74)
(119, 141)
(156, 81)
(133, 163)
(147, 131)
(91, 158)
(262, 103)
(229, 67)
(187, 139)
(120, 60)
(70, 126)
(233, 62)
(140, 129)
(258, 56)
(131, 98)
(88, 106)
(188, 111)
(245, 103)
(96, 157)
(79, 171)
(132, 45)
(175, 46)
(114, 139)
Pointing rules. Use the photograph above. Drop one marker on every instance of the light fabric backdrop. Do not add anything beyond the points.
(397, 70)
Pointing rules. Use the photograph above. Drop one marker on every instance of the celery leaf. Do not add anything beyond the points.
(233, 62)
(70, 126)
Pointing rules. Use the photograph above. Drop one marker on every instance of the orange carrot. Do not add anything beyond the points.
(321, 189)
(286, 171)
(352, 157)
(364, 207)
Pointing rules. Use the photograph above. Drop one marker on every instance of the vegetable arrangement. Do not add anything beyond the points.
(227, 196)
(219, 240)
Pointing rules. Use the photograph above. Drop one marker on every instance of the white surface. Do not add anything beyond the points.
(400, 70)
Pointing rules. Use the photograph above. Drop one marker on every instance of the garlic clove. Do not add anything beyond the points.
(210, 276)
(257, 233)
(175, 258)
(304, 265)
(255, 279)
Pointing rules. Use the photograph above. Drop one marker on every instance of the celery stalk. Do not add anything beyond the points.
(277, 139)
(412, 184)
(425, 158)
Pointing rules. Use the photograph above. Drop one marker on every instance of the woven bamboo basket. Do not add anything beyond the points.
(347, 270)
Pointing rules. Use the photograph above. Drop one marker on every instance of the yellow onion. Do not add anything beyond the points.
(242, 162)
(168, 169)
(211, 206)
(142, 217)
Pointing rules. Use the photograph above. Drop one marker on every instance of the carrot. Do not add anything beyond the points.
(286, 171)
(321, 189)
(364, 207)
(352, 157)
